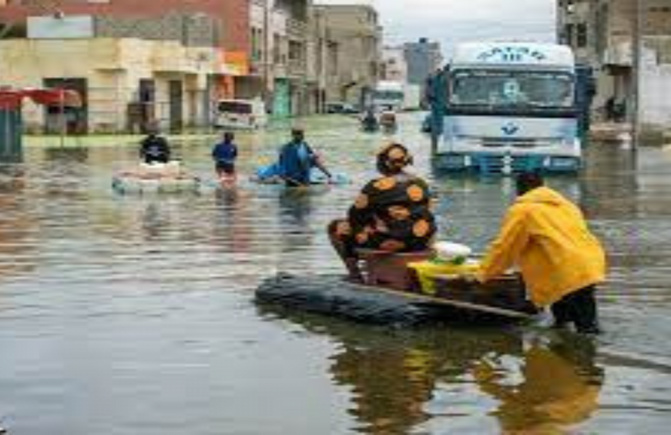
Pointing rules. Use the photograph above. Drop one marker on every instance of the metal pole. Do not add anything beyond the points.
(266, 55)
(637, 49)
(63, 120)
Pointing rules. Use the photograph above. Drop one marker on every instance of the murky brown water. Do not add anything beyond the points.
(134, 315)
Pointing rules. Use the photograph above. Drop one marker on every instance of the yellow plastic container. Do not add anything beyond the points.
(427, 271)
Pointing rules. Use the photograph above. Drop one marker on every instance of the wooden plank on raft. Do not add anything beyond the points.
(448, 302)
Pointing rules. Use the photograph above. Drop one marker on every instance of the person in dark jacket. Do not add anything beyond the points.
(297, 160)
(155, 149)
(225, 154)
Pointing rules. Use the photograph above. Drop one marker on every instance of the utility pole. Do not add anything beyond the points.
(265, 59)
(637, 51)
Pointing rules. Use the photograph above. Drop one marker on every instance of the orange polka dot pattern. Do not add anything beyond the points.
(391, 214)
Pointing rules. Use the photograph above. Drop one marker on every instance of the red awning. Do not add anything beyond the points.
(12, 99)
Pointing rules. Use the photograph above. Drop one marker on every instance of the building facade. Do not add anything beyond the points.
(423, 58)
(351, 51)
(602, 34)
(279, 47)
(394, 66)
(291, 54)
(209, 35)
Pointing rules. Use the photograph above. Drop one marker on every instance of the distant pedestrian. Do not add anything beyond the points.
(154, 148)
(225, 155)
(610, 109)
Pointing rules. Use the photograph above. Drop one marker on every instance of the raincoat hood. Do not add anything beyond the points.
(541, 195)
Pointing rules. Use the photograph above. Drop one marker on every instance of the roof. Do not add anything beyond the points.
(513, 53)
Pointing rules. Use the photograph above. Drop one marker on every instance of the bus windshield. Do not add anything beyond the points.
(512, 89)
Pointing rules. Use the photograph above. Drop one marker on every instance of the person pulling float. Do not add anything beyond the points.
(297, 159)
(560, 260)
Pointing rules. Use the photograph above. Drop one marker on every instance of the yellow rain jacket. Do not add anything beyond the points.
(547, 237)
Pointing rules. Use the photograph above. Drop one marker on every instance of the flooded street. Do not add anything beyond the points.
(135, 315)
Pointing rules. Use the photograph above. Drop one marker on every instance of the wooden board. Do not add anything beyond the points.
(425, 299)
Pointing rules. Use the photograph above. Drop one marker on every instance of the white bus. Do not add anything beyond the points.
(510, 107)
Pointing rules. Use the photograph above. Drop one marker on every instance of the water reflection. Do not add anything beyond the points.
(429, 380)
(234, 224)
(552, 387)
(16, 226)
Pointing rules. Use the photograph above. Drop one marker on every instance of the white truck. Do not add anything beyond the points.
(509, 107)
(396, 96)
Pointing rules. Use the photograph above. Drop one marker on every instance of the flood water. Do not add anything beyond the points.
(135, 315)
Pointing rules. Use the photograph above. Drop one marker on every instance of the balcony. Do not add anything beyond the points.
(297, 29)
(296, 68)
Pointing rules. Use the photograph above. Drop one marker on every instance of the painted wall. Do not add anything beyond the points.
(113, 69)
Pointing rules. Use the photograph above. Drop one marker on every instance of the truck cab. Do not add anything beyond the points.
(509, 107)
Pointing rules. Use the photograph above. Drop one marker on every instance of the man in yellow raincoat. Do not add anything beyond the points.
(546, 236)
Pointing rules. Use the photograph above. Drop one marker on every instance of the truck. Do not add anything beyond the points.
(507, 107)
(396, 96)
(388, 95)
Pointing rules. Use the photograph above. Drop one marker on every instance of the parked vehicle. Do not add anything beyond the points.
(340, 108)
(509, 107)
(241, 114)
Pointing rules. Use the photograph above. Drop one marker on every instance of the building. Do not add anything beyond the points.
(279, 30)
(210, 41)
(351, 51)
(423, 58)
(601, 33)
(126, 84)
(394, 67)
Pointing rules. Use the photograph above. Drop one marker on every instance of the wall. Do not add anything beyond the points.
(353, 51)
(233, 15)
(112, 68)
(423, 59)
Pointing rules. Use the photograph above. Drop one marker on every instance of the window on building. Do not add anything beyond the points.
(568, 34)
(295, 51)
(333, 57)
(257, 44)
(277, 48)
(581, 35)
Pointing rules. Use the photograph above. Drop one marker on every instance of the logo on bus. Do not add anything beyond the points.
(511, 54)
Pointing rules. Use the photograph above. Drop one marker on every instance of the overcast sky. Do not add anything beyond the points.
(457, 20)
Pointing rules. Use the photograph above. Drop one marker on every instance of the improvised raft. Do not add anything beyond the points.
(156, 178)
(403, 289)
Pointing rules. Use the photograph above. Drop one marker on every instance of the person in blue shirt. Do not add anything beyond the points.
(225, 154)
(297, 160)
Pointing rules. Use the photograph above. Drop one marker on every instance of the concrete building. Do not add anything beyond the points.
(279, 30)
(394, 66)
(127, 80)
(423, 58)
(351, 51)
(220, 25)
(601, 33)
